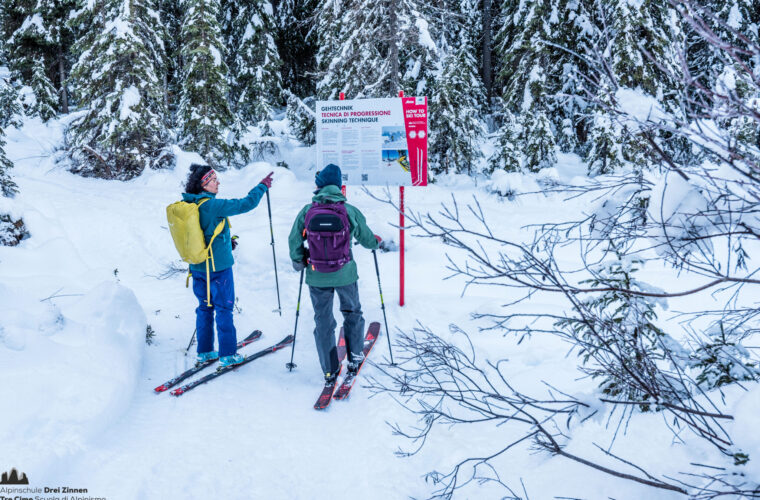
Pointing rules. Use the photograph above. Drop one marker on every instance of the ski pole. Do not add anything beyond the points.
(192, 339)
(292, 365)
(382, 304)
(271, 232)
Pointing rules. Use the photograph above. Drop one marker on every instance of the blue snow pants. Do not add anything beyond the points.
(222, 302)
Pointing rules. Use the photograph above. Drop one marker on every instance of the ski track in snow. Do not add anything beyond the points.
(253, 433)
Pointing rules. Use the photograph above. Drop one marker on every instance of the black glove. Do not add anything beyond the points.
(298, 266)
(234, 242)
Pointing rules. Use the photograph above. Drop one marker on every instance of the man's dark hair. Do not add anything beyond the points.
(193, 184)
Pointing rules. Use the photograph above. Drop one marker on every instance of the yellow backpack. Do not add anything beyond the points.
(185, 228)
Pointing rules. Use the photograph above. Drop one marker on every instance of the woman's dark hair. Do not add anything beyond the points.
(193, 184)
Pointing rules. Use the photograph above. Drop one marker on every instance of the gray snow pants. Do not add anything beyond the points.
(324, 331)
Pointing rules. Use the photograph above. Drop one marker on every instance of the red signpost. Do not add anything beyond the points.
(401, 237)
(342, 97)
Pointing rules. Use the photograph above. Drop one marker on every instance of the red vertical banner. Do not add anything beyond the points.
(416, 124)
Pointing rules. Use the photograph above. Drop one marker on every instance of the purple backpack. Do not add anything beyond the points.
(329, 236)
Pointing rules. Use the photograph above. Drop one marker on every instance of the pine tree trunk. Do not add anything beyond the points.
(393, 53)
(487, 47)
(62, 76)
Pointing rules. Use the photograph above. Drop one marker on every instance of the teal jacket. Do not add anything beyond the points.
(359, 230)
(212, 213)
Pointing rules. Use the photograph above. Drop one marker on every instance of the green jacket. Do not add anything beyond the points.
(212, 213)
(359, 230)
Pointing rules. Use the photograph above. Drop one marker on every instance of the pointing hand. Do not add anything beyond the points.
(267, 181)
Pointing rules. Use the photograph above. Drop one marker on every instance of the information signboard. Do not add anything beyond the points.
(374, 141)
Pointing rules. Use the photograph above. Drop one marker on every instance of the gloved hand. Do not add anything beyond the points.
(298, 266)
(379, 239)
(267, 181)
(234, 241)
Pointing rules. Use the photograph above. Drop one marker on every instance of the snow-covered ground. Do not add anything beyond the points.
(77, 377)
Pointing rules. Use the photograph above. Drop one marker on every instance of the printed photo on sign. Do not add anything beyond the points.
(394, 158)
(394, 138)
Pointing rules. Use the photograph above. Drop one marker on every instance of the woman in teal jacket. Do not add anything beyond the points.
(202, 183)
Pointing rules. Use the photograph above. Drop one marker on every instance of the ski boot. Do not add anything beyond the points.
(203, 357)
(235, 359)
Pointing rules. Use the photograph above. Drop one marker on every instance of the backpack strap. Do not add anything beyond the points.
(210, 253)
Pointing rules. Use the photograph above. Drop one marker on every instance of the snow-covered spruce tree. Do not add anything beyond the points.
(252, 58)
(618, 340)
(326, 35)
(722, 359)
(536, 138)
(506, 155)
(297, 50)
(207, 124)
(7, 186)
(45, 95)
(9, 110)
(43, 40)
(638, 44)
(370, 48)
(302, 118)
(456, 126)
(572, 36)
(523, 59)
(541, 51)
(458, 96)
(57, 15)
(606, 136)
(171, 13)
(12, 230)
(643, 36)
(119, 80)
(736, 19)
(27, 47)
(728, 19)
(28, 42)
(13, 15)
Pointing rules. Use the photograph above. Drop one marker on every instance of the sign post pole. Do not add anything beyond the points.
(342, 97)
(401, 245)
(401, 237)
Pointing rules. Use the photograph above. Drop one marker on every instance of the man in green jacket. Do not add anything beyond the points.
(330, 267)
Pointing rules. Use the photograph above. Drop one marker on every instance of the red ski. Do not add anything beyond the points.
(369, 341)
(222, 370)
(327, 392)
(256, 335)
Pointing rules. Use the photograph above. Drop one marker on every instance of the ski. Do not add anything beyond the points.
(327, 392)
(369, 341)
(221, 371)
(255, 335)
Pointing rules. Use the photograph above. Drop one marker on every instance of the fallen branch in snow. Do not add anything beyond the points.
(170, 271)
(100, 158)
(442, 384)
